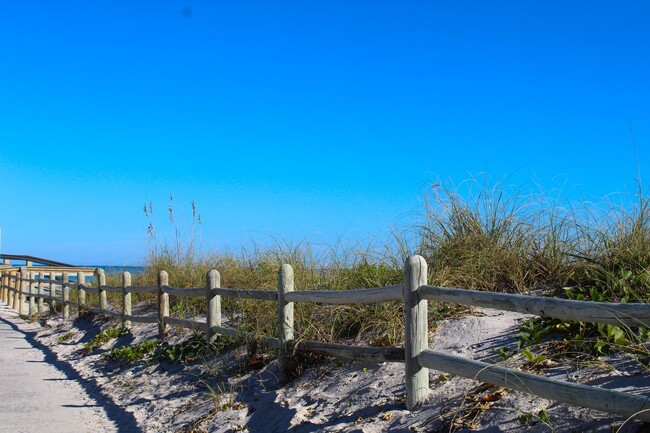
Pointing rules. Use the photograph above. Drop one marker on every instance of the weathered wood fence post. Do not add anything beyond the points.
(9, 294)
(10, 288)
(81, 292)
(32, 299)
(416, 338)
(5, 287)
(12, 292)
(17, 287)
(65, 289)
(8, 280)
(2, 286)
(126, 299)
(24, 275)
(101, 282)
(41, 291)
(163, 303)
(52, 292)
(213, 304)
(285, 314)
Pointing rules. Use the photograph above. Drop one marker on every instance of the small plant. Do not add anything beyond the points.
(504, 353)
(132, 353)
(104, 337)
(560, 341)
(532, 358)
(65, 337)
(189, 351)
(222, 397)
(535, 330)
(530, 419)
(610, 336)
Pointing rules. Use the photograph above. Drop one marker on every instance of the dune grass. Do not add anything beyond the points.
(482, 236)
(258, 269)
(501, 240)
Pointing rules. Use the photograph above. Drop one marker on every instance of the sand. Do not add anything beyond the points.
(39, 394)
(235, 391)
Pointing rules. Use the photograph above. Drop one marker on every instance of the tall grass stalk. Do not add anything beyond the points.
(484, 235)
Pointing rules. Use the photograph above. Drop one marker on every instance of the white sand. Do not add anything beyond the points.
(220, 395)
(37, 396)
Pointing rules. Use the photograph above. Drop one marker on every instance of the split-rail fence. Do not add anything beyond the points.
(18, 284)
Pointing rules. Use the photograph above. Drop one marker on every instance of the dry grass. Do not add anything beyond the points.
(484, 236)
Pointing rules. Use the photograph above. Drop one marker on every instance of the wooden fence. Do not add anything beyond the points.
(17, 284)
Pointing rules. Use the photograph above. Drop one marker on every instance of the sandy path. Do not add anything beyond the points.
(222, 394)
(34, 394)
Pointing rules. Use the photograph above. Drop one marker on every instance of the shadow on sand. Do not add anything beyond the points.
(123, 420)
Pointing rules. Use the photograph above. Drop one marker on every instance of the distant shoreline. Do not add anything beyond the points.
(112, 269)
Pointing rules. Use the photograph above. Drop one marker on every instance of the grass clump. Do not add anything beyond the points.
(132, 353)
(260, 271)
(555, 339)
(191, 350)
(66, 337)
(104, 337)
(188, 351)
(489, 236)
(315, 268)
(497, 239)
(484, 235)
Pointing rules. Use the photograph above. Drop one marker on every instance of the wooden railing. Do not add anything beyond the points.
(16, 284)
(419, 358)
(30, 260)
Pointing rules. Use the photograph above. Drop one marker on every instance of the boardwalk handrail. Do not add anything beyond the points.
(27, 259)
(17, 284)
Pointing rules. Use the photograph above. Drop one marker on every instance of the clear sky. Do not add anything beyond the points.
(302, 119)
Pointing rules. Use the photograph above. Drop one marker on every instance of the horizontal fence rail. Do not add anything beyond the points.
(183, 292)
(56, 287)
(358, 296)
(596, 398)
(620, 314)
(260, 295)
(142, 289)
(421, 358)
(141, 319)
(379, 354)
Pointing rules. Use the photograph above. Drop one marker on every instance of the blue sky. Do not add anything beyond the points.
(302, 119)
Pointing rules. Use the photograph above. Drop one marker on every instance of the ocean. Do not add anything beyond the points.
(134, 270)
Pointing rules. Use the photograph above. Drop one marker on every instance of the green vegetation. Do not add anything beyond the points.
(555, 340)
(485, 237)
(132, 353)
(193, 349)
(66, 337)
(333, 268)
(494, 240)
(531, 419)
(104, 337)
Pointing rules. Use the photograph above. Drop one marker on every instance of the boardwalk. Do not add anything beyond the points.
(36, 396)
